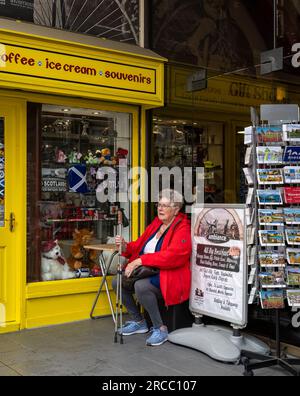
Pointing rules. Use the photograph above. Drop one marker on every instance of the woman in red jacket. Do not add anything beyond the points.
(166, 245)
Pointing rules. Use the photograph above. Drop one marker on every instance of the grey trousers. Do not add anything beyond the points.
(147, 295)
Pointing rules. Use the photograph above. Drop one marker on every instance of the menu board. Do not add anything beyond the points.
(219, 265)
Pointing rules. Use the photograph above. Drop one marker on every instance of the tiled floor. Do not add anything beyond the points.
(88, 348)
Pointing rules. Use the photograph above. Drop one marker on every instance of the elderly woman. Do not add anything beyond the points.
(165, 245)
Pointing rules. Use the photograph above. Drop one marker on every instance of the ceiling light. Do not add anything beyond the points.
(66, 110)
(96, 112)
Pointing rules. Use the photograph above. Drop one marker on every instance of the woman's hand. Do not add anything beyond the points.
(120, 241)
(132, 266)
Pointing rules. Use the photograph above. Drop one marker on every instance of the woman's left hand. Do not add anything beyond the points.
(132, 266)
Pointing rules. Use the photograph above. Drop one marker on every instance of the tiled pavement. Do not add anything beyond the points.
(88, 349)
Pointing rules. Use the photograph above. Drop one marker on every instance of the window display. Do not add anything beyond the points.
(2, 173)
(70, 151)
(179, 143)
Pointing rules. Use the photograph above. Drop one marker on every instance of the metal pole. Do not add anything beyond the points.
(278, 344)
(275, 12)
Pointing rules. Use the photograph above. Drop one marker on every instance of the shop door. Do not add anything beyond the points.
(9, 209)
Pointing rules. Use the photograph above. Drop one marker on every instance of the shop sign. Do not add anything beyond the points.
(52, 184)
(292, 154)
(56, 66)
(231, 92)
(219, 265)
(17, 9)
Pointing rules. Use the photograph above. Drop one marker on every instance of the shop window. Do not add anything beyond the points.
(2, 173)
(192, 144)
(70, 152)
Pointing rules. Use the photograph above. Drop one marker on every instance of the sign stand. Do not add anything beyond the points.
(219, 284)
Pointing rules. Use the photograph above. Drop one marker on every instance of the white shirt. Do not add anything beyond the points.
(151, 246)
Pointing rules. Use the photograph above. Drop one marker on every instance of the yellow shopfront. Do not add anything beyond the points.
(70, 107)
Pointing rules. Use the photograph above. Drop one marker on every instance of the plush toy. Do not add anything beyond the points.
(53, 265)
(79, 256)
(106, 153)
(99, 156)
(60, 156)
(121, 154)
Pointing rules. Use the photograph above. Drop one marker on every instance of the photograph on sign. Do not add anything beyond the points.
(219, 265)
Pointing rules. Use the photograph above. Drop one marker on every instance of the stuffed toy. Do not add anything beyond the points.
(106, 153)
(60, 156)
(121, 154)
(79, 256)
(53, 265)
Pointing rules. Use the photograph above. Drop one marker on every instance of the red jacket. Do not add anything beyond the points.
(173, 260)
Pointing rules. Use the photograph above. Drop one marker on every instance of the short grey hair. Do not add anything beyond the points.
(173, 196)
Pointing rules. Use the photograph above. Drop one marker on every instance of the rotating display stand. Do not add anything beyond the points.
(272, 177)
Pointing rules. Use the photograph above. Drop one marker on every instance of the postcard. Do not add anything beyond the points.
(252, 295)
(292, 216)
(271, 259)
(269, 197)
(270, 176)
(291, 195)
(293, 256)
(248, 155)
(272, 279)
(292, 236)
(292, 174)
(269, 155)
(250, 196)
(271, 238)
(252, 276)
(248, 137)
(293, 276)
(252, 254)
(250, 215)
(269, 134)
(291, 132)
(249, 176)
(291, 154)
(270, 217)
(293, 297)
(251, 232)
(272, 299)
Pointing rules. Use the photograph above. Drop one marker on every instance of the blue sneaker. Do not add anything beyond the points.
(131, 328)
(158, 337)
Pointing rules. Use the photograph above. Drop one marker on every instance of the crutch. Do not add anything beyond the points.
(119, 297)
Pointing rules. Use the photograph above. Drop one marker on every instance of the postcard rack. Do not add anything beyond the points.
(273, 216)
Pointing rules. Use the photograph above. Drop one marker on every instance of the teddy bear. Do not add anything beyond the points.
(79, 256)
(53, 265)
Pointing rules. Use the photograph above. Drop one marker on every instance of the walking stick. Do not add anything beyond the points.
(119, 297)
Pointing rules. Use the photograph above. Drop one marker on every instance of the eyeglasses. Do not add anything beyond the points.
(163, 206)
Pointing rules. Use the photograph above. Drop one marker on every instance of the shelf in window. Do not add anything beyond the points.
(87, 138)
(52, 221)
(67, 164)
